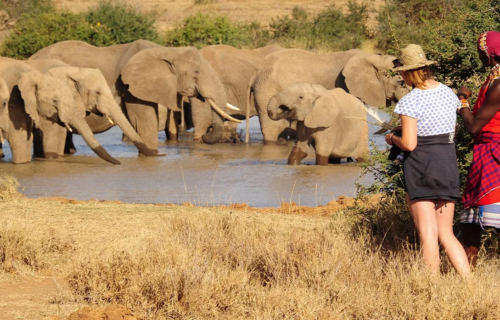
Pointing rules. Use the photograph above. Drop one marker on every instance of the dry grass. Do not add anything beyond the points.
(172, 12)
(183, 262)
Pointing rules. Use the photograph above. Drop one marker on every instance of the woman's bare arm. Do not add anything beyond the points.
(408, 140)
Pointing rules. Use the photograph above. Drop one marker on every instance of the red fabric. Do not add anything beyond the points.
(484, 174)
(490, 198)
(492, 43)
(494, 124)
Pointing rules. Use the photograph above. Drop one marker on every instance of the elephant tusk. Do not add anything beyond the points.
(230, 106)
(222, 113)
(1, 136)
(68, 127)
(109, 119)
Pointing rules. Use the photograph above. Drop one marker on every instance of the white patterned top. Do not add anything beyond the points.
(435, 109)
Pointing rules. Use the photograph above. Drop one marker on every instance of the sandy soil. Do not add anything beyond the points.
(172, 12)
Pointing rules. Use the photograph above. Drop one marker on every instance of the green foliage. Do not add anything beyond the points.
(201, 30)
(448, 32)
(105, 25)
(329, 29)
(17, 8)
(123, 23)
(36, 31)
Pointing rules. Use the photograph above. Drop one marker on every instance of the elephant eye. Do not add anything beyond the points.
(98, 92)
(301, 97)
(54, 101)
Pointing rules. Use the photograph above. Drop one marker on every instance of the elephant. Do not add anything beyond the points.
(148, 80)
(332, 121)
(361, 74)
(92, 95)
(4, 111)
(234, 68)
(34, 96)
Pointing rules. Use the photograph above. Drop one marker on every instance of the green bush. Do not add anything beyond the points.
(123, 23)
(330, 29)
(105, 25)
(33, 32)
(201, 30)
(17, 8)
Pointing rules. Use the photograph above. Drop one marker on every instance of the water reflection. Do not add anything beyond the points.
(220, 174)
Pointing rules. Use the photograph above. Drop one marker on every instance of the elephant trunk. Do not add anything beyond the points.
(119, 118)
(215, 135)
(275, 110)
(81, 126)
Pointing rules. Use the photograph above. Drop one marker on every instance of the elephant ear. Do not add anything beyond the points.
(149, 74)
(323, 114)
(28, 86)
(361, 74)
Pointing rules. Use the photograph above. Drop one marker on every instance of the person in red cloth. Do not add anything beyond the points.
(481, 198)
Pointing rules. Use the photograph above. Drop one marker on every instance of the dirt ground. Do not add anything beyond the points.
(172, 12)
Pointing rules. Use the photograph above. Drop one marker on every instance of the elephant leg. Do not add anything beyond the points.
(201, 114)
(69, 146)
(172, 127)
(21, 143)
(143, 118)
(20, 133)
(324, 154)
(54, 140)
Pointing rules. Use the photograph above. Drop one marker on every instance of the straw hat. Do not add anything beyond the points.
(411, 57)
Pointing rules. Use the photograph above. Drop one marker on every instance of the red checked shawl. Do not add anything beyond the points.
(484, 173)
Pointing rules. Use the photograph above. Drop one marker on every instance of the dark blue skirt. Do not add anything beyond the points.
(431, 170)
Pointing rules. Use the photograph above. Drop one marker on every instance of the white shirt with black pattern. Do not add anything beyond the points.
(434, 109)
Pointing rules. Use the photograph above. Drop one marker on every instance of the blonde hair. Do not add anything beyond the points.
(419, 76)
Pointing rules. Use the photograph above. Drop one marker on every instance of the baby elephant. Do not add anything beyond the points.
(332, 121)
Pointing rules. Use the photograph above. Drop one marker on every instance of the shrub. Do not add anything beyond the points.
(33, 32)
(201, 30)
(8, 187)
(330, 29)
(105, 25)
(123, 23)
(17, 8)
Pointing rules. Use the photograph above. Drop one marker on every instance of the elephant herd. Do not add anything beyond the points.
(73, 87)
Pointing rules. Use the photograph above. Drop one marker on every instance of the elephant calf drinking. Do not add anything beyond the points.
(332, 121)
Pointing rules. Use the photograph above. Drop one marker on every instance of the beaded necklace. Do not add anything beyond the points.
(494, 74)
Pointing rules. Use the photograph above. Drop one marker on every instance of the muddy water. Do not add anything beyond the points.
(256, 174)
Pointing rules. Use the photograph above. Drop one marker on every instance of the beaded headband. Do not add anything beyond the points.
(482, 43)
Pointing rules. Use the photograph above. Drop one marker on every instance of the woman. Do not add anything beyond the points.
(481, 198)
(428, 119)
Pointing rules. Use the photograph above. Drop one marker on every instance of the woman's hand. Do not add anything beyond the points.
(388, 139)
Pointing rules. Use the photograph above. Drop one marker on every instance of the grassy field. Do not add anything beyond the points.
(172, 12)
(186, 262)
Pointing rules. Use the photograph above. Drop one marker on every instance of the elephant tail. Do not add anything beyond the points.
(249, 103)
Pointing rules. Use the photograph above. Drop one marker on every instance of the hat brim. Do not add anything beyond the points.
(414, 66)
